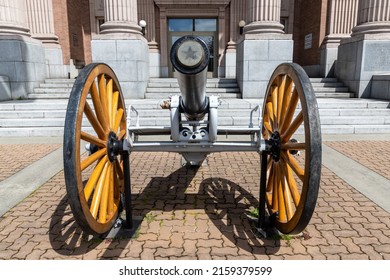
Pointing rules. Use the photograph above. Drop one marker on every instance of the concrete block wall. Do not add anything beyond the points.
(361, 57)
(22, 61)
(380, 86)
(5, 89)
(130, 61)
(256, 61)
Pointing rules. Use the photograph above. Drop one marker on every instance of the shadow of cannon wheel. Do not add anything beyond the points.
(227, 211)
(65, 236)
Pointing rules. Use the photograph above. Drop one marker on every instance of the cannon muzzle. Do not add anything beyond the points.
(190, 57)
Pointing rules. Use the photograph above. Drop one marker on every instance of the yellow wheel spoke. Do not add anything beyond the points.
(118, 169)
(288, 200)
(281, 198)
(98, 192)
(292, 105)
(274, 95)
(268, 128)
(281, 93)
(293, 128)
(109, 92)
(270, 178)
(92, 139)
(269, 163)
(98, 107)
(103, 96)
(94, 121)
(270, 111)
(118, 120)
(103, 206)
(286, 98)
(92, 158)
(90, 186)
(111, 192)
(275, 191)
(114, 109)
(292, 184)
(293, 146)
(121, 134)
(289, 159)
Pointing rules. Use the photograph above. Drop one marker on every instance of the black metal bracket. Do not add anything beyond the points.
(127, 189)
(265, 225)
(124, 228)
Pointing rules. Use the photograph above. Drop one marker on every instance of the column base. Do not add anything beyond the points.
(120, 27)
(329, 51)
(22, 61)
(260, 27)
(371, 28)
(55, 67)
(129, 58)
(359, 59)
(257, 60)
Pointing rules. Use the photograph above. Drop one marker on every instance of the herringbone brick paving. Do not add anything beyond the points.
(197, 214)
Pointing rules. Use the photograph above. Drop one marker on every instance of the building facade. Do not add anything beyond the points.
(42, 39)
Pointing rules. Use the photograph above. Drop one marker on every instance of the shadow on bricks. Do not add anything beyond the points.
(216, 205)
(65, 236)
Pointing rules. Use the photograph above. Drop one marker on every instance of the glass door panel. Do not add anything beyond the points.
(206, 29)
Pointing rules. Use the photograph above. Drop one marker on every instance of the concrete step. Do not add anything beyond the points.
(334, 95)
(330, 89)
(324, 80)
(40, 116)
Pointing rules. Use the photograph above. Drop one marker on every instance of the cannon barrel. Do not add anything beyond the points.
(190, 57)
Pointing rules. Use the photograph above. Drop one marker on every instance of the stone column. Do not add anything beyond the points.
(367, 52)
(13, 17)
(147, 13)
(237, 13)
(263, 17)
(373, 17)
(122, 46)
(22, 59)
(41, 22)
(120, 16)
(263, 48)
(341, 18)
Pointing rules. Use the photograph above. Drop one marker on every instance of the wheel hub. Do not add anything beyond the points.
(114, 146)
(275, 146)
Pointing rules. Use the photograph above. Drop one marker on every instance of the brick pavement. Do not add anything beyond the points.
(15, 157)
(372, 154)
(197, 215)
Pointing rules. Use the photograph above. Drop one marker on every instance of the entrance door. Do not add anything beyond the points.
(206, 29)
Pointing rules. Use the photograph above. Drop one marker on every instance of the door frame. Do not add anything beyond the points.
(212, 74)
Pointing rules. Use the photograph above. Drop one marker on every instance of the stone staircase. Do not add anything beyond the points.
(163, 88)
(44, 112)
(330, 88)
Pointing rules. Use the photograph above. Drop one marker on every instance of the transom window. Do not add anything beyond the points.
(192, 24)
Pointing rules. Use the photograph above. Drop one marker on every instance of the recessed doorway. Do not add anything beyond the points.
(204, 28)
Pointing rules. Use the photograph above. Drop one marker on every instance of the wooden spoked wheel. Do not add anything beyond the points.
(291, 125)
(96, 119)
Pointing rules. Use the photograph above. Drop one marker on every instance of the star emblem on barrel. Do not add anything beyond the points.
(190, 53)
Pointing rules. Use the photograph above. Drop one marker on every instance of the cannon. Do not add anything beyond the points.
(287, 139)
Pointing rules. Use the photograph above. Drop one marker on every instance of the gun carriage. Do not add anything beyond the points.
(98, 182)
